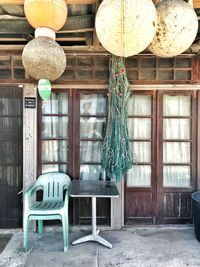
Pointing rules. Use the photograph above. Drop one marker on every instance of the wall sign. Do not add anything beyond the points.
(30, 102)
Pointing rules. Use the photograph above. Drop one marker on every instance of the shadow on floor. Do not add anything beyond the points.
(4, 239)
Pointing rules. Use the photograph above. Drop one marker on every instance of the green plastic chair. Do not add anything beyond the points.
(53, 206)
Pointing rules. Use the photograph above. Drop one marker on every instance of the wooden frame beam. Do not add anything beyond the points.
(11, 24)
(194, 3)
(69, 2)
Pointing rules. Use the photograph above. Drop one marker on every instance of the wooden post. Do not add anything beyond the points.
(29, 138)
(117, 208)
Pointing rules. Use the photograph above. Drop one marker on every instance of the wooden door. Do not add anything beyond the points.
(10, 157)
(163, 135)
(140, 183)
(177, 155)
(72, 125)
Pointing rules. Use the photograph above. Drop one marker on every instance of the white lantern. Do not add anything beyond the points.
(126, 27)
(176, 29)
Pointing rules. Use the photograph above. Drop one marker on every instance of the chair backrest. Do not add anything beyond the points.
(53, 184)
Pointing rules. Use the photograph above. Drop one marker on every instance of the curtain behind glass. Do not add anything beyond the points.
(174, 150)
(140, 129)
(54, 152)
(91, 127)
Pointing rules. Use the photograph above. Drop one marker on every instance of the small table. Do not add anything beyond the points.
(93, 189)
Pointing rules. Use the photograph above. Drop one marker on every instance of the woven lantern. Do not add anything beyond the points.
(43, 58)
(177, 28)
(126, 27)
(46, 13)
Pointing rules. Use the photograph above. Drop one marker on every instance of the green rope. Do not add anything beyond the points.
(116, 157)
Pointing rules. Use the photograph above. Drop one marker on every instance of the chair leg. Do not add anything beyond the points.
(40, 227)
(25, 232)
(65, 225)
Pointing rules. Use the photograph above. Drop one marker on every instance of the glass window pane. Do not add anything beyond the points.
(132, 74)
(90, 172)
(102, 62)
(149, 62)
(54, 168)
(176, 176)
(183, 63)
(101, 75)
(57, 104)
(131, 62)
(176, 129)
(139, 105)
(165, 62)
(183, 75)
(139, 128)
(139, 176)
(92, 104)
(85, 61)
(165, 74)
(176, 152)
(176, 105)
(147, 74)
(92, 127)
(5, 74)
(142, 150)
(90, 151)
(54, 127)
(54, 151)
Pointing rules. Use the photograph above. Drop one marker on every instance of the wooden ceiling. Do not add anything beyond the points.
(78, 31)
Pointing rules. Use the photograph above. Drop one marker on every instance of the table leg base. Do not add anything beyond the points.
(95, 238)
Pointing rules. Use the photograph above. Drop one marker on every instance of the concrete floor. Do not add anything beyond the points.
(161, 246)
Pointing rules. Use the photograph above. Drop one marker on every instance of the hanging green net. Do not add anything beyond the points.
(116, 156)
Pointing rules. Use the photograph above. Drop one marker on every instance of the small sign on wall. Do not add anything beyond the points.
(30, 102)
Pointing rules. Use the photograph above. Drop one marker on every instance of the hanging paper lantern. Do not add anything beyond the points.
(44, 89)
(126, 27)
(44, 58)
(46, 13)
(176, 30)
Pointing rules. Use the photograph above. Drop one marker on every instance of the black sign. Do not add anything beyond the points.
(30, 102)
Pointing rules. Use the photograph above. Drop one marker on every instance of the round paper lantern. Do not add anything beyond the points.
(176, 29)
(46, 13)
(44, 58)
(126, 27)
(44, 89)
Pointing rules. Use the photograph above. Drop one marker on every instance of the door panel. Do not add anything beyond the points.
(10, 157)
(91, 115)
(176, 155)
(140, 184)
(176, 207)
(140, 207)
(163, 136)
(72, 126)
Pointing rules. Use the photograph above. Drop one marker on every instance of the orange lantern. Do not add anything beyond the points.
(46, 13)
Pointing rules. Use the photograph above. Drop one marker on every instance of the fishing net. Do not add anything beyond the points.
(116, 156)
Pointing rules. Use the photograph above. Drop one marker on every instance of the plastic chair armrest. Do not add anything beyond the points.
(29, 192)
(66, 200)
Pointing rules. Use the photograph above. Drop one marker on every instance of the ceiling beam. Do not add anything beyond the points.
(14, 10)
(12, 24)
(194, 3)
(69, 2)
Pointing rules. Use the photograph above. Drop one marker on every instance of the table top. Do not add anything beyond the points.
(88, 188)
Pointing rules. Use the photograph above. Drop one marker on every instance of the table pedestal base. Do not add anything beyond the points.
(93, 237)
